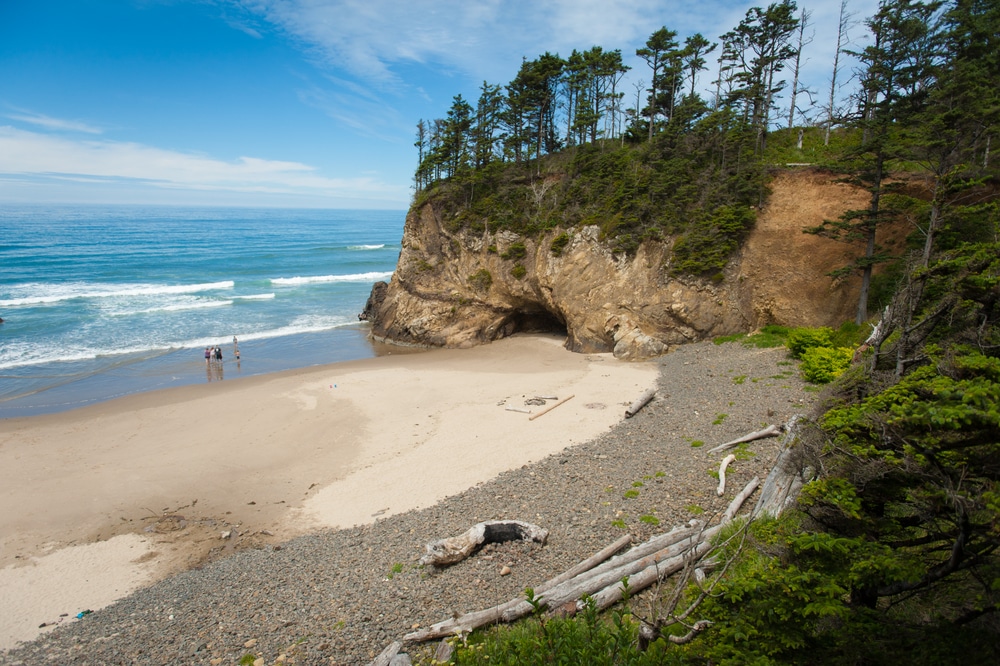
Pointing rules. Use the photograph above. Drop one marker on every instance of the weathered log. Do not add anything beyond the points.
(722, 474)
(454, 549)
(769, 431)
(639, 403)
(388, 654)
(784, 480)
(664, 567)
(550, 408)
(470, 621)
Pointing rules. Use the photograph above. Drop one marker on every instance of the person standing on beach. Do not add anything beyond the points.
(218, 354)
(208, 355)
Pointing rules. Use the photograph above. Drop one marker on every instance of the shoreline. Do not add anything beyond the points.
(123, 493)
(60, 387)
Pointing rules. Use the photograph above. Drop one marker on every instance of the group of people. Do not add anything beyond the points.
(215, 353)
(213, 360)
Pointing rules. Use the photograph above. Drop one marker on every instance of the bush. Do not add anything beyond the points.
(559, 244)
(821, 365)
(515, 251)
(481, 280)
(519, 271)
(801, 340)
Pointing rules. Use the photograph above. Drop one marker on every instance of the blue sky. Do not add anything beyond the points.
(299, 103)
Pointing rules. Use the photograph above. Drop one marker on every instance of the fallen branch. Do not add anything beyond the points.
(722, 474)
(639, 403)
(455, 549)
(469, 621)
(549, 409)
(769, 431)
(662, 568)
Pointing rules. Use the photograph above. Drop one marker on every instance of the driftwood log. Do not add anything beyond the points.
(639, 403)
(661, 553)
(601, 578)
(455, 549)
(769, 431)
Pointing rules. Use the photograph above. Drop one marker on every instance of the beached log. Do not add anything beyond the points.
(550, 408)
(769, 431)
(722, 474)
(666, 566)
(469, 621)
(388, 654)
(639, 403)
(784, 481)
(455, 549)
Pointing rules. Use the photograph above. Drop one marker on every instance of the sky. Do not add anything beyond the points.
(293, 103)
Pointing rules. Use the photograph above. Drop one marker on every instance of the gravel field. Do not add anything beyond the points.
(340, 597)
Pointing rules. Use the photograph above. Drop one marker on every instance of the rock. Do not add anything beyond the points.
(448, 290)
(505, 570)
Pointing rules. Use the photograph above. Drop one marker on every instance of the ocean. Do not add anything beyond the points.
(104, 301)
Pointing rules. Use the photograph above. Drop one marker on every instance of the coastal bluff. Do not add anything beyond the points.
(458, 288)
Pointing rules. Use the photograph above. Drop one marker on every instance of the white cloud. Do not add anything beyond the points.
(25, 153)
(50, 123)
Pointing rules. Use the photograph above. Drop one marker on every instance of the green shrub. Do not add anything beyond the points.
(518, 271)
(481, 280)
(800, 340)
(559, 244)
(821, 365)
(515, 251)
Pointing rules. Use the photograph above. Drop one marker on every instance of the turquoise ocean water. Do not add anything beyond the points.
(104, 301)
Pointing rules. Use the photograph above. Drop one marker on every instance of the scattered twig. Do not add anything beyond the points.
(550, 408)
(769, 431)
(722, 474)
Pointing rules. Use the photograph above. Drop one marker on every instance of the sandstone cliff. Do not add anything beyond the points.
(456, 289)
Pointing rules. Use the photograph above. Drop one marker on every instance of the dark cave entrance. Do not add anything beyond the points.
(533, 321)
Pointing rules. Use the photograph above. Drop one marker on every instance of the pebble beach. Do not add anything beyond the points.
(339, 596)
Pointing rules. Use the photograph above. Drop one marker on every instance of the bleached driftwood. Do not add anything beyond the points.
(388, 654)
(517, 409)
(722, 474)
(644, 564)
(769, 431)
(454, 549)
(782, 485)
(639, 403)
(667, 566)
(550, 408)
(469, 621)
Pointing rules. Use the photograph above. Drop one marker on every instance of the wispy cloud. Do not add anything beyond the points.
(52, 124)
(376, 40)
(30, 153)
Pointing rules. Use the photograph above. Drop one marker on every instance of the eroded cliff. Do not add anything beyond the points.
(460, 289)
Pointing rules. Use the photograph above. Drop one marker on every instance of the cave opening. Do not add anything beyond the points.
(534, 321)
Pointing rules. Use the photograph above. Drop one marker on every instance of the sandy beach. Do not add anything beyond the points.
(100, 501)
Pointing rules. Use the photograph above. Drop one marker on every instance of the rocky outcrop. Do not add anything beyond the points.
(458, 288)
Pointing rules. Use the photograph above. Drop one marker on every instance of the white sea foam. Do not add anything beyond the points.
(55, 293)
(316, 279)
(254, 297)
(366, 247)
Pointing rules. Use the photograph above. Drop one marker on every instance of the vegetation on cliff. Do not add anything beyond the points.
(892, 555)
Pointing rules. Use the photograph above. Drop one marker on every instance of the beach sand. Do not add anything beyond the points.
(97, 502)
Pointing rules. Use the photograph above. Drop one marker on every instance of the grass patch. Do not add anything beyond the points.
(719, 418)
(697, 443)
(649, 519)
(631, 494)
(695, 509)
(739, 379)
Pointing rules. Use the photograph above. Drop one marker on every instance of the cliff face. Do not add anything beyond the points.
(456, 289)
